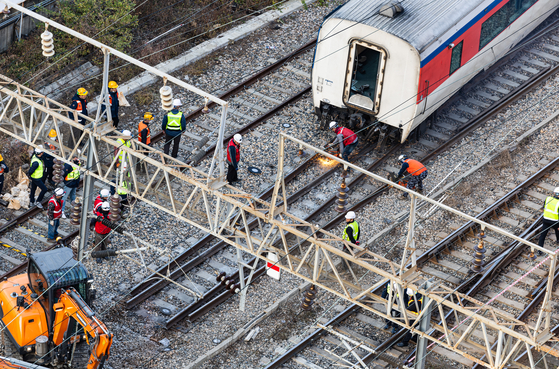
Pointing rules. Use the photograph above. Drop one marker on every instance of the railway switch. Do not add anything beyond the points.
(75, 217)
(47, 43)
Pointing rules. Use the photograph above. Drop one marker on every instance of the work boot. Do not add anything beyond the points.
(402, 344)
(39, 205)
(63, 215)
(420, 191)
(403, 196)
(50, 240)
(394, 330)
(99, 260)
(387, 326)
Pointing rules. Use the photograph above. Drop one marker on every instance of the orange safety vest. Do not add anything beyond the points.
(79, 108)
(415, 168)
(141, 127)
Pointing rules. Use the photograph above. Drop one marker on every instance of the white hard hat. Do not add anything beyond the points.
(333, 124)
(402, 157)
(177, 102)
(238, 138)
(350, 215)
(105, 205)
(556, 190)
(126, 133)
(39, 149)
(59, 192)
(105, 193)
(410, 291)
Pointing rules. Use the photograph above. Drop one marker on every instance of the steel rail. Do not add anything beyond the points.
(243, 85)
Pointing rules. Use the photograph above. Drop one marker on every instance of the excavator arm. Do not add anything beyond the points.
(71, 305)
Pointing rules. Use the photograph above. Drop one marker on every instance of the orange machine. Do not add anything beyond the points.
(41, 309)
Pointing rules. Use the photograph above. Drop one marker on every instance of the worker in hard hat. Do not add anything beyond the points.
(3, 170)
(49, 160)
(144, 133)
(414, 304)
(36, 173)
(415, 171)
(174, 123)
(351, 234)
(346, 138)
(233, 158)
(113, 101)
(101, 198)
(79, 105)
(55, 208)
(101, 230)
(71, 182)
(550, 218)
(122, 156)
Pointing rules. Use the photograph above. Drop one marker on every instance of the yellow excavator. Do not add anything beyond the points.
(45, 313)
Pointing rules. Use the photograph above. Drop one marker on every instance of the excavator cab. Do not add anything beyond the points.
(42, 309)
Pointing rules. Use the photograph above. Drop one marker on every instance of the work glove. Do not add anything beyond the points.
(357, 243)
(52, 222)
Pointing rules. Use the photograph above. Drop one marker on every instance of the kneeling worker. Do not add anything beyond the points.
(416, 172)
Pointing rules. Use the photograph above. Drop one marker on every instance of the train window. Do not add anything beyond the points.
(456, 58)
(502, 19)
(365, 75)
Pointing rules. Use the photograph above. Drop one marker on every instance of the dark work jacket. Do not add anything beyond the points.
(72, 183)
(173, 133)
(74, 105)
(48, 160)
(114, 104)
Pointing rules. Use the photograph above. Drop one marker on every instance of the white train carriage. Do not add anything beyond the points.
(389, 66)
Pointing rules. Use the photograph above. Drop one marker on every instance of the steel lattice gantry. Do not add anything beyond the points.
(304, 250)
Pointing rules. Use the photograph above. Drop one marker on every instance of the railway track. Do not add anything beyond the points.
(451, 256)
(447, 129)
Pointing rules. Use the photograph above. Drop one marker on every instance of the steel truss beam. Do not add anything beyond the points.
(205, 202)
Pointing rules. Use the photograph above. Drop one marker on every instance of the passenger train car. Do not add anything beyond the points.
(389, 66)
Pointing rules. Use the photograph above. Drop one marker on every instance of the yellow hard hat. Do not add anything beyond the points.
(82, 91)
(112, 84)
(1, 158)
(52, 133)
(148, 116)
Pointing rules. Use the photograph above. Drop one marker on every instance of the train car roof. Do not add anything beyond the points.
(421, 23)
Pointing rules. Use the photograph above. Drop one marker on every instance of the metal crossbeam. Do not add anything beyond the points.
(205, 202)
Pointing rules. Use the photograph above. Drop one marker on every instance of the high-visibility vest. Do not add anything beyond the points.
(355, 228)
(237, 151)
(419, 301)
(123, 188)
(74, 174)
(349, 136)
(79, 107)
(551, 208)
(174, 121)
(38, 173)
(97, 204)
(415, 168)
(57, 213)
(120, 152)
(141, 127)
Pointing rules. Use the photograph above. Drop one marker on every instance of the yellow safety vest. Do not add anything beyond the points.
(74, 174)
(419, 301)
(174, 121)
(551, 208)
(355, 228)
(38, 173)
(123, 188)
(120, 152)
